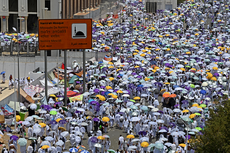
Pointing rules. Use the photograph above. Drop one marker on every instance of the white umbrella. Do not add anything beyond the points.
(155, 109)
(45, 143)
(78, 133)
(37, 130)
(144, 139)
(84, 124)
(49, 138)
(160, 121)
(80, 109)
(29, 119)
(135, 119)
(135, 140)
(33, 106)
(43, 112)
(162, 130)
(177, 110)
(59, 143)
(65, 133)
(97, 145)
(26, 123)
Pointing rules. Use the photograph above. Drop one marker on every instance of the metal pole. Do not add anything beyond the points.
(14, 102)
(65, 79)
(18, 70)
(46, 75)
(84, 70)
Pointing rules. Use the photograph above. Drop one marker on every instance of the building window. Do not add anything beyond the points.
(32, 5)
(13, 5)
(151, 7)
(47, 4)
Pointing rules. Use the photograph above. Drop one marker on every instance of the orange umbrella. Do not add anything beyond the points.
(172, 95)
(166, 94)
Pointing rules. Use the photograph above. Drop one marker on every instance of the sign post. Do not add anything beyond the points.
(65, 34)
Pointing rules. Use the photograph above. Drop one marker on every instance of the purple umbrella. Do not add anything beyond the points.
(14, 137)
(53, 122)
(163, 127)
(57, 103)
(189, 137)
(96, 119)
(96, 90)
(62, 121)
(216, 74)
(94, 102)
(142, 133)
(160, 112)
(93, 139)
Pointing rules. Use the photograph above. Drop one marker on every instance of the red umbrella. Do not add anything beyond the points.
(71, 93)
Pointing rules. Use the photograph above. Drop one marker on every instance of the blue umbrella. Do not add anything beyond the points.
(84, 151)
(3, 72)
(203, 92)
(73, 150)
(53, 122)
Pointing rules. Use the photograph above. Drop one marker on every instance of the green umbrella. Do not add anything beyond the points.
(111, 150)
(198, 114)
(192, 85)
(202, 105)
(187, 119)
(198, 128)
(22, 142)
(53, 112)
(150, 77)
(159, 145)
(27, 36)
(32, 138)
(133, 107)
(132, 100)
(65, 109)
(187, 66)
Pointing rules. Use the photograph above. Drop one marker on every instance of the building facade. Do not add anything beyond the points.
(29, 11)
(154, 5)
(72, 7)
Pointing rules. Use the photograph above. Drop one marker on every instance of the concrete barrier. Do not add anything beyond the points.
(28, 64)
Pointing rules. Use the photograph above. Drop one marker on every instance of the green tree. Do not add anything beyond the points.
(216, 134)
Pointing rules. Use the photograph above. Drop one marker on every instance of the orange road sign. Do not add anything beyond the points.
(55, 34)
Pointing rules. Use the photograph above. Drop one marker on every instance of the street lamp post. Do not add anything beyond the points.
(45, 59)
(16, 30)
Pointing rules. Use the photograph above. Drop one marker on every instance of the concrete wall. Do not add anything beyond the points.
(12, 97)
(162, 3)
(28, 64)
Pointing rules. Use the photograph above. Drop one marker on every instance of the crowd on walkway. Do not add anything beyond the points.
(162, 75)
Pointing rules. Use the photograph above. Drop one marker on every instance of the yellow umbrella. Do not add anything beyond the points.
(119, 91)
(192, 115)
(32, 34)
(52, 95)
(130, 136)
(142, 55)
(18, 118)
(114, 96)
(188, 53)
(108, 87)
(182, 145)
(156, 68)
(136, 98)
(105, 119)
(42, 124)
(185, 111)
(213, 79)
(193, 69)
(45, 147)
(102, 44)
(215, 68)
(167, 68)
(157, 49)
(111, 63)
(195, 105)
(136, 66)
(147, 79)
(118, 69)
(196, 34)
(110, 67)
(59, 119)
(102, 98)
(168, 49)
(167, 83)
(100, 137)
(135, 53)
(144, 144)
(111, 78)
(110, 94)
(61, 128)
(167, 35)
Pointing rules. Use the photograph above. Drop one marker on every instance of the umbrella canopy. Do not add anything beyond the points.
(22, 142)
